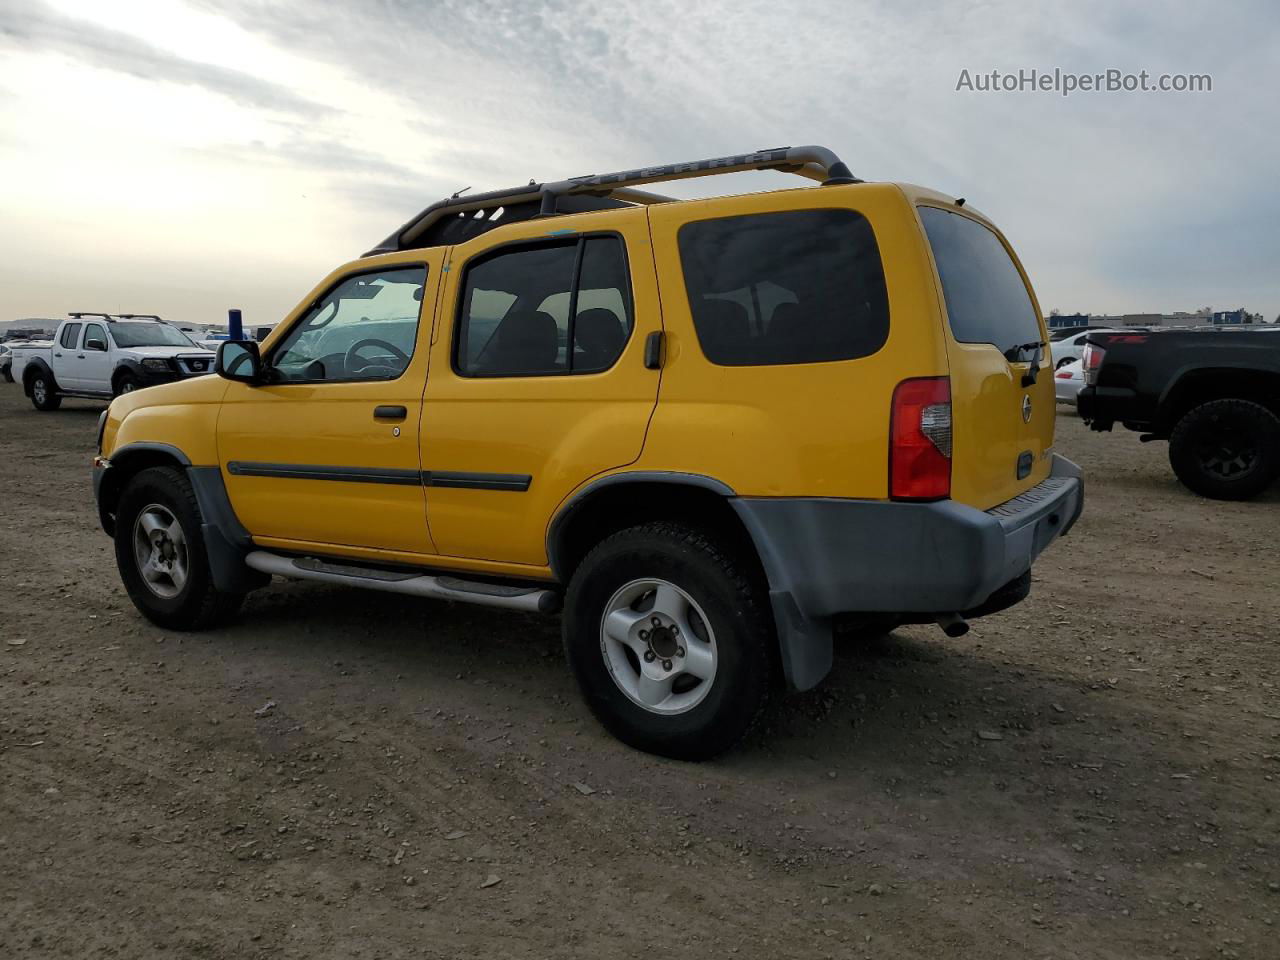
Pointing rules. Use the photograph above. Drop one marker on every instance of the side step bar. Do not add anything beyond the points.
(527, 599)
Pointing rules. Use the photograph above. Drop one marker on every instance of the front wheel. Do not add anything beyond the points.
(161, 556)
(126, 383)
(669, 640)
(1226, 449)
(43, 395)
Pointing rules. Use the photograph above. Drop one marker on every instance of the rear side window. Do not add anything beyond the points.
(553, 308)
(987, 302)
(804, 286)
(70, 333)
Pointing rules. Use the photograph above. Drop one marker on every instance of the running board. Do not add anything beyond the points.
(528, 599)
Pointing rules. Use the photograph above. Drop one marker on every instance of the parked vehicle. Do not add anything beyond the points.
(1214, 395)
(6, 362)
(1067, 381)
(1070, 348)
(696, 426)
(97, 355)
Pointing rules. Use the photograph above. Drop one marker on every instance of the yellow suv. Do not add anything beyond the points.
(709, 431)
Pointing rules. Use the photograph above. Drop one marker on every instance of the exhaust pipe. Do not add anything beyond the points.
(953, 625)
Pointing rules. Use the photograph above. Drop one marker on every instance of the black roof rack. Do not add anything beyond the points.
(462, 217)
(112, 318)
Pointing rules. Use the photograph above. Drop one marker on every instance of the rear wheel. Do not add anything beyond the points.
(1226, 449)
(161, 555)
(43, 395)
(669, 640)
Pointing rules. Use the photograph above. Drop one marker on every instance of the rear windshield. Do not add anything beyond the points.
(987, 302)
(803, 286)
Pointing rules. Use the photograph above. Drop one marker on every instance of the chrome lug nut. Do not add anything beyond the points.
(656, 621)
(649, 656)
(679, 651)
(666, 664)
(644, 634)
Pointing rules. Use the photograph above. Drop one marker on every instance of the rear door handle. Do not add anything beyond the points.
(389, 412)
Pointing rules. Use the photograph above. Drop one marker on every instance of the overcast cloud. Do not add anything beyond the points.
(189, 156)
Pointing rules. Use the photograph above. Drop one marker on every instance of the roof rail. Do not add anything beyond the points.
(812, 162)
(88, 313)
(139, 316)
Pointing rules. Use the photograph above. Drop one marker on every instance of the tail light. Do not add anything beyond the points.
(920, 440)
(1091, 361)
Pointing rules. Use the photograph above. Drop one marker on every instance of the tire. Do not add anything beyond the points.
(1226, 449)
(8, 374)
(1063, 362)
(693, 714)
(186, 602)
(44, 396)
(125, 383)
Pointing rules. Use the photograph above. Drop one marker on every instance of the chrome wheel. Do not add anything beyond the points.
(160, 551)
(128, 386)
(658, 646)
(39, 392)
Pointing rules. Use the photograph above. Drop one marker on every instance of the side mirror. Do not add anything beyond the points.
(95, 344)
(239, 360)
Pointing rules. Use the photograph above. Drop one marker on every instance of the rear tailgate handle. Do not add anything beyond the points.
(390, 412)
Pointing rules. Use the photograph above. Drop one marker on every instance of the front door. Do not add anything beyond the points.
(326, 451)
(93, 360)
(538, 377)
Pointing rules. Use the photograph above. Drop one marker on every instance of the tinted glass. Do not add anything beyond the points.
(95, 331)
(145, 333)
(70, 335)
(519, 313)
(987, 302)
(798, 287)
(365, 328)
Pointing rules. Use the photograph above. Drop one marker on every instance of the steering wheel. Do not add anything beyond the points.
(349, 358)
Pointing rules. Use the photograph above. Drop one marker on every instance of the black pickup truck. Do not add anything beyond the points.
(1214, 395)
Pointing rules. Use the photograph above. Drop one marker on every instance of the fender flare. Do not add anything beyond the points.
(127, 365)
(37, 365)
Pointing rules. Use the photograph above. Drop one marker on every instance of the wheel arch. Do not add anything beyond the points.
(1190, 388)
(35, 366)
(609, 504)
(126, 463)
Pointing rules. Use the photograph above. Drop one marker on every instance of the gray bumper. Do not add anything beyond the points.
(826, 556)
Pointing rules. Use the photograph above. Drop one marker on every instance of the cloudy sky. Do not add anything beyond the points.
(185, 156)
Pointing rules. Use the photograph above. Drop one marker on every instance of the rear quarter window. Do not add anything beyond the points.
(987, 300)
(803, 286)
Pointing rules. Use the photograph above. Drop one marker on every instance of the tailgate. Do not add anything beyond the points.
(1002, 423)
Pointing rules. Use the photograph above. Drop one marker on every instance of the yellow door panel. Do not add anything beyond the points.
(508, 429)
(336, 461)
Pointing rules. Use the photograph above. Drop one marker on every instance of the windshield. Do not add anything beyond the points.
(149, 335)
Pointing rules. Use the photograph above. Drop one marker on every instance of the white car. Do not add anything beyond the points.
(99, 356)
(1067, 381)
(1072, 347)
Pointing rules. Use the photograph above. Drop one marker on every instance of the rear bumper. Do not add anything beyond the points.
(1104, 406)
(825, 557)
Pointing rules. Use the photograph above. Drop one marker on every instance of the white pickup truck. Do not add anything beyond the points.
(99, 356)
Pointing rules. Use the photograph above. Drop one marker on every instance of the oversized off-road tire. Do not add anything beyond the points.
(669, 639)
(161, 555)
(1226, 449)
(125, 383)
(44, 395)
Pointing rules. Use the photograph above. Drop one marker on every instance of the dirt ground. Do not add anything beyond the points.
(1094, 773)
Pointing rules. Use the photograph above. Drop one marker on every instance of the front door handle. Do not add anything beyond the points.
(388, 411)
